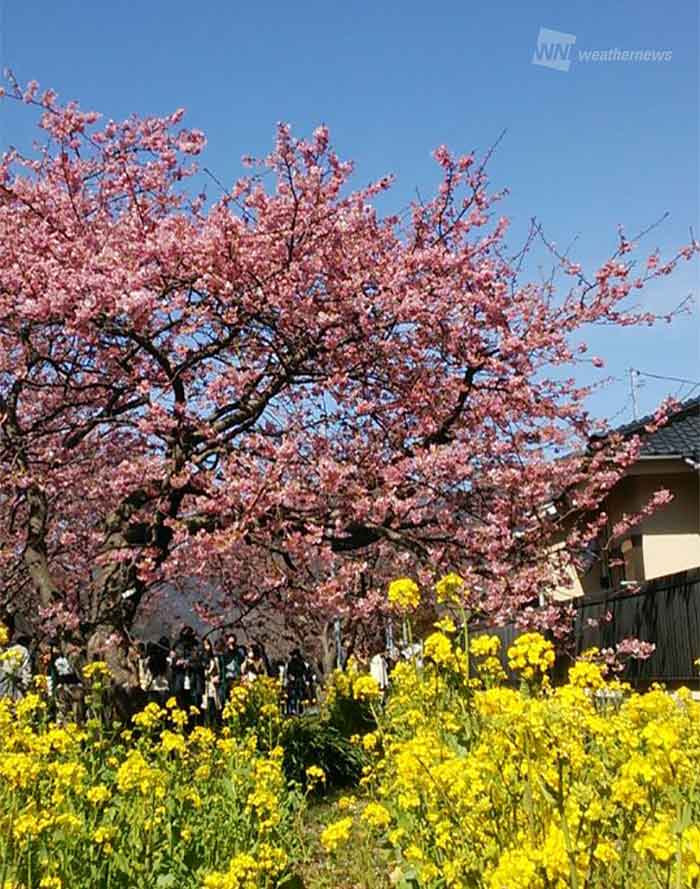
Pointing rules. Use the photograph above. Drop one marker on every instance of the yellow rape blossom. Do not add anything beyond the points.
(366, 688)
(450, 588)
(485, 646)
(438, 649)
(445, 625)
(404, 594)
(336, 834)
(585, 674)
(96, 670)
(376, 815)
(531, 655)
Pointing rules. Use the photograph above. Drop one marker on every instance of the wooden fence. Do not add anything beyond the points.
(665, 611)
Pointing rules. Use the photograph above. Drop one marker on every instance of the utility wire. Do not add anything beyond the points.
(670, 379)
(691, 390)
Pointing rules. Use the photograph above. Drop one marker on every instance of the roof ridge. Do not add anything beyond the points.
(638, 425)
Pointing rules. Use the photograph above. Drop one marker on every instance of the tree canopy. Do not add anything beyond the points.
(281, 394)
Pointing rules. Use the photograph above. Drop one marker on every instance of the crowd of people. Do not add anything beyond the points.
(198, 672)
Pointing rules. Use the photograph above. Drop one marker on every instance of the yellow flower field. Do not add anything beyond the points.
(472, 785)
(82, 808)
(468, 784)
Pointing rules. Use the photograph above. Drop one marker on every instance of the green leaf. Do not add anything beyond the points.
(292, 881)
(401, 878)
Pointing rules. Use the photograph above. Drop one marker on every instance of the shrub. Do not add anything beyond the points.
(310, 741)
(345, 705)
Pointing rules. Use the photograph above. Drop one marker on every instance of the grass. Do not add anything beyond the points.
(354, 866)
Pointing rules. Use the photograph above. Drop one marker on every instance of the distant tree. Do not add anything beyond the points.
(282, 395)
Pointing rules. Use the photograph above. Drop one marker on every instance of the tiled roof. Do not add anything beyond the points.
(680, 436)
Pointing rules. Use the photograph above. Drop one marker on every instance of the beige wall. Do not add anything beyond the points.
(666, 542)
(671, 536)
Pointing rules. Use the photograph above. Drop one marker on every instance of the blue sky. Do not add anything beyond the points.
(601, 144)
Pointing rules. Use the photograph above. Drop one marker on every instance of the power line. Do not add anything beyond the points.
(661, 377)
(690, 391)
(620, 412)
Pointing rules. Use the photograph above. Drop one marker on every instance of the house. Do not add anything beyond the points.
(668, 541)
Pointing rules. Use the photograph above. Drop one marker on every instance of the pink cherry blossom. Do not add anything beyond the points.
(283, 396)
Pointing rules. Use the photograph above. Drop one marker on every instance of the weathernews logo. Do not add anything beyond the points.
(555, 49)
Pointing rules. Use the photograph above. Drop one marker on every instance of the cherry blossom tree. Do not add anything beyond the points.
(282, 395)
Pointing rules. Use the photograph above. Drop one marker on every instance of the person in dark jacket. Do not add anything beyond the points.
(212, 681)
(231, 659)
(187, 669)
(295, 682)
(157, 671)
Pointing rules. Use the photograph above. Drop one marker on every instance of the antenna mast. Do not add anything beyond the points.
(634, 389)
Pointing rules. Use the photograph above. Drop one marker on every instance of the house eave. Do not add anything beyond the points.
(653, 464)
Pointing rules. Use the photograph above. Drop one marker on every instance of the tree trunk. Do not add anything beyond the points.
(328, 652)
(35, 554)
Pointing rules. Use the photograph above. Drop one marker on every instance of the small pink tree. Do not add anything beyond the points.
(282, 395)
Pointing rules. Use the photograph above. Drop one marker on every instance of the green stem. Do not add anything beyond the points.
(465, 624)
(565, 828)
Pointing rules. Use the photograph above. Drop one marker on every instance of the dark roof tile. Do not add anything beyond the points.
(680, 436)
